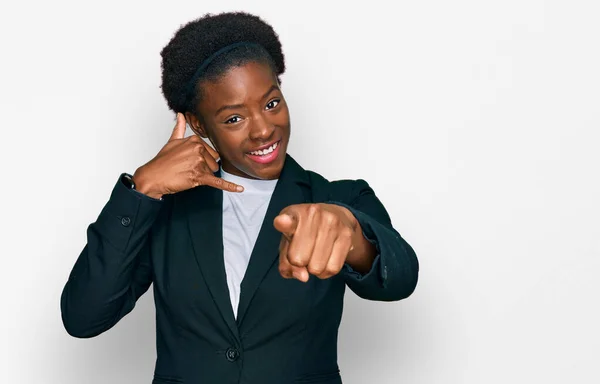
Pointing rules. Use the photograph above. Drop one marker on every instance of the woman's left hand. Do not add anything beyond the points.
(316, 239)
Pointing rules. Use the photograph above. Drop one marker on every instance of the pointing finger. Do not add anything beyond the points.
(286, 223)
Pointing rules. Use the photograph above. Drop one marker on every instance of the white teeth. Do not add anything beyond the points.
(262, 152)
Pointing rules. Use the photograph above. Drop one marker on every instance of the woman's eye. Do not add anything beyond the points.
(234, 119)
(272, 104)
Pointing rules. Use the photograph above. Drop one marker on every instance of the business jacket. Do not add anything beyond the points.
(286, 330)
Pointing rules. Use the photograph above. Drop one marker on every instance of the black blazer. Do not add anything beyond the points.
(285, 332)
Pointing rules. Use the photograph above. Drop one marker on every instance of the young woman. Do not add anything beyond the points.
(249, 254)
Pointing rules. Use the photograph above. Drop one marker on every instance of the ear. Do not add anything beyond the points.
(196, 125)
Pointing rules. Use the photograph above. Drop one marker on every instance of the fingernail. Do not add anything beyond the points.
(305, 276)
(301, 276)
(239, 188)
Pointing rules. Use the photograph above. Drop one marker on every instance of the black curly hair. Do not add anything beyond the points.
(199, 39)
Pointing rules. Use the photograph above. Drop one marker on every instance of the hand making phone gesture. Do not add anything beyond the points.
(183, 163)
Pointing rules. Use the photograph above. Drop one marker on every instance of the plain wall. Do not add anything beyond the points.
(476, 123)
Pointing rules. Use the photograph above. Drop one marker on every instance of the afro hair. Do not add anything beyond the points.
(197, 40)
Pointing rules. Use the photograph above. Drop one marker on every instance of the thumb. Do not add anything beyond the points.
(286, 223)
(179, 130)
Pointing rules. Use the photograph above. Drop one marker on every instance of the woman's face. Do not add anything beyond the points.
(244, 112)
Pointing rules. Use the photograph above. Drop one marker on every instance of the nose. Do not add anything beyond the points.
(261, 129)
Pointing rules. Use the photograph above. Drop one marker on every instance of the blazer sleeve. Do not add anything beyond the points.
(395, 270)
(113, 270)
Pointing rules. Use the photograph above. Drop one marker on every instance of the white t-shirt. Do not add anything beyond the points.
(243, 214)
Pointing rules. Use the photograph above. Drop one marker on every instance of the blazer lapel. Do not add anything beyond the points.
(293, 187)
(205, 218)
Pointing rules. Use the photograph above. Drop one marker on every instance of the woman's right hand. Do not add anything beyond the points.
(183, 163)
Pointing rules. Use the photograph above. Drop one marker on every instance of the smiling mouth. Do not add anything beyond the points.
(267, 155)
(266, 151)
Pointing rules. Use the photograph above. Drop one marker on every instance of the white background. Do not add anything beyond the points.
(476, 122)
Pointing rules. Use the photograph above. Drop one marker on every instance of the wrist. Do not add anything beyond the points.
(363, 252)
(144, 184)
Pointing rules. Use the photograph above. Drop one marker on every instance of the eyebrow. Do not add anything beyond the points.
(236, 106)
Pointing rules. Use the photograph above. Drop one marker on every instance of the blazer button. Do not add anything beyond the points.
(125, 221)
(232, 354)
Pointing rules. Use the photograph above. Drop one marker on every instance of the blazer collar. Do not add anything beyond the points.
(204, 206)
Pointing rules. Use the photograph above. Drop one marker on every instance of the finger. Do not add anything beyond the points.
(214, 154)
(303, 243)
(208, 159)
(179, 130)
(197, 138)
(219, 183)
(287, 270)
(322, 251)
(286, 224)
(300, 273)
(338, 257)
